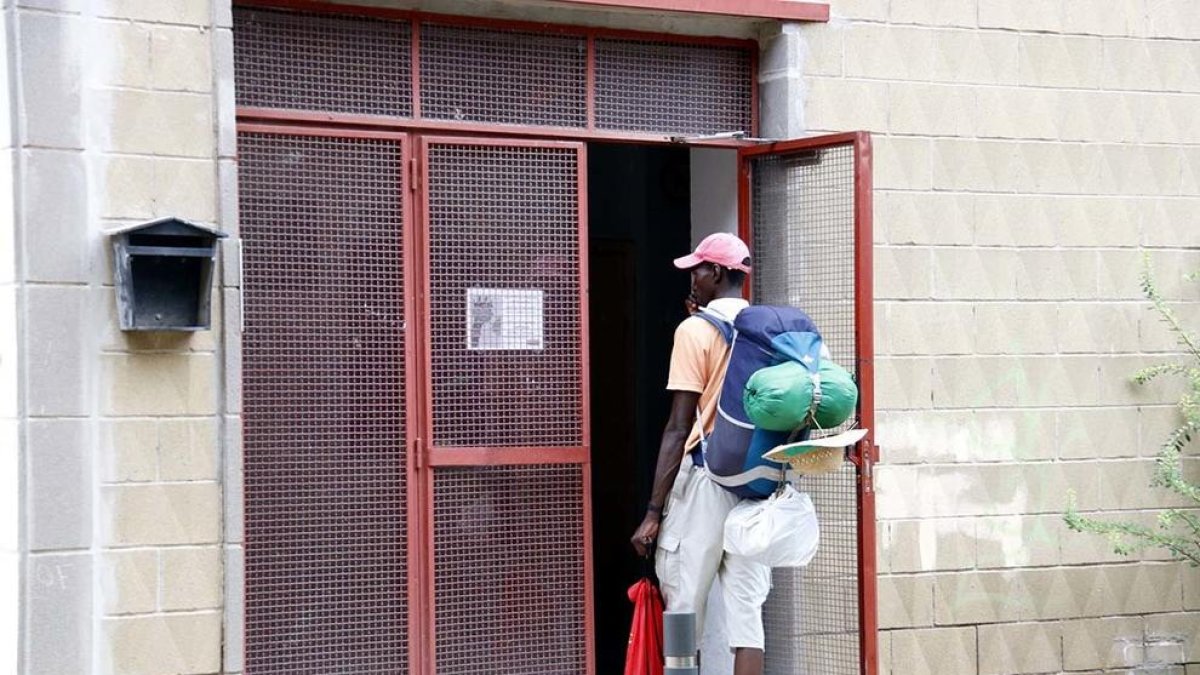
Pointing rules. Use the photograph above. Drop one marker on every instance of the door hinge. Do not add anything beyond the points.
(412, 174)
(867, 459)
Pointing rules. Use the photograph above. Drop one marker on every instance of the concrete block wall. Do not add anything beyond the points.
(1024, 154)
(122, 508)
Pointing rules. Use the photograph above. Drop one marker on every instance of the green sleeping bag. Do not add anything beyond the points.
(778, 398)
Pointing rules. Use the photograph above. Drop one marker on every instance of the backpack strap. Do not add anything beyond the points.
(719, 321)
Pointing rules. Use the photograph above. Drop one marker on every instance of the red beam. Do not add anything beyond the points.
(783, 10)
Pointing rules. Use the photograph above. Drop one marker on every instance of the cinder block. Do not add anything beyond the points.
(1190, 184)
(980, 597)
(1191, 589)
(186, 188)
(192, 578)
(1127, 19)
(973, 165)
(159, 384)
(1102, 643)
(130, 45)
(227, 201)
(902, 163)
(1009, 542)
(1043, 16)
(1098, 221)
(1169, 222)
(1137, 170)
(930, 109)
(232, 351)
(54, 223)
(1155, 424)
(178, 513)
(903, 272)
(980, 57)
(888, 52)
(926, 436)
(897, 491)
(1012, 112)
(1174, 19)
(235, 609)
(55, 345)
(50, 82)
(924, 218)
(1101, 117)
(129, 582)
(904, 383)
(1184, 626)
(223, 85)
(783, 50)
(935, 651)
(823, 49)
(1011, 435)
(905, 601)
(233, 480)
(58, 613)
(781, 106)
(188, 450)
(129, 451)
(943, 544)
(832, 103)
(1015, 328)
(182, 59)
(1059, 61)
(919, 328)
(860, 9)
(1088, 328)
(65, 6)
(1056, 275)
(185, 12)
(162, 123)
(933, 12)
(1127, 485)
(975, 273)
(129, 187)
(1020, 648)
(1085, 548)
(164, 644)
(974, 382)
(1097, 433)
(59, 491)
(1116, 385)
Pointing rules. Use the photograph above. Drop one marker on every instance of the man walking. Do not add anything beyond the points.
(687, 510)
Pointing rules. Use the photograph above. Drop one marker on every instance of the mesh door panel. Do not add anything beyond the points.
(803, 215)
(323, 373)
(505, 310)
(673, 88)
(503, 77)
(509, 570)
(322, 62)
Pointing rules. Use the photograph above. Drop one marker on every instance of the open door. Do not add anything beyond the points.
(505, 463)
(805, 208)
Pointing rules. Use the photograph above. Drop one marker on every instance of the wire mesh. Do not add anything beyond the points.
(505, 314)
(324, 404)
(803, 235)
(509, 570)
(673, 88)
(326, 62)
(503, 77)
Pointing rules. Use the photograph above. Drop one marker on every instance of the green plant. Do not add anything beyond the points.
(1178, 529)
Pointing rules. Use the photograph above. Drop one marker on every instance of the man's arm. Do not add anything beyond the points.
(670, 455)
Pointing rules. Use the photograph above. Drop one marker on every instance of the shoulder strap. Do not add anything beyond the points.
(720, 322)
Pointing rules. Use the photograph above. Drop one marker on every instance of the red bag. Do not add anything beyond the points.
(645, 653)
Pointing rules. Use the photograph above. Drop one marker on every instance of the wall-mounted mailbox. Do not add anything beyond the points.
(164, 274)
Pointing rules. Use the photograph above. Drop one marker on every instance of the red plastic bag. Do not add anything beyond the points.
(644, 655)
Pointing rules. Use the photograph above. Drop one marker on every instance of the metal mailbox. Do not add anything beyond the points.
(163, 274)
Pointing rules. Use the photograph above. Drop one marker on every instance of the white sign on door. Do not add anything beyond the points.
(504, 319)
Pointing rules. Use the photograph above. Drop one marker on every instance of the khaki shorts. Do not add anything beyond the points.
(690, 556)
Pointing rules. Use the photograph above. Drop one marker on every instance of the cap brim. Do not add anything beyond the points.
(687, 262)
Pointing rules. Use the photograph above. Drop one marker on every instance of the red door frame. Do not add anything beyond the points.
(865, 454)
(433, 457)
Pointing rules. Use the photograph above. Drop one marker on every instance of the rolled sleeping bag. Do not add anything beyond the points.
(780, 398)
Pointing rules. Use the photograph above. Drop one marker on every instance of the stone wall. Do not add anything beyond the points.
(1025, 153)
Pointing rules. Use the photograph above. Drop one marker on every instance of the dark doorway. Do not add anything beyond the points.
(639, 220)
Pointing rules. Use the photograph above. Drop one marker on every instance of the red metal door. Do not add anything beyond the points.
(507, 555)
(806, 207)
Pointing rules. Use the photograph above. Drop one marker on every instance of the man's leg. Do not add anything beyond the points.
(745, 586)
(690, 546)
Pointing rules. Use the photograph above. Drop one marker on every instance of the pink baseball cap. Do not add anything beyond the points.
(721, 248)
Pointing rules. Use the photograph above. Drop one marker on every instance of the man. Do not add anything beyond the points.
(692, 508)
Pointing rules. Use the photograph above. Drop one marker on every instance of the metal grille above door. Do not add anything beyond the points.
(807, 206)
(325, 403)
(508, 382)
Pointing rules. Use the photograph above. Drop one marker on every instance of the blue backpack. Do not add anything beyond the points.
(761, 336)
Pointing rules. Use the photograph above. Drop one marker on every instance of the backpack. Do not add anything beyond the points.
(760, 337)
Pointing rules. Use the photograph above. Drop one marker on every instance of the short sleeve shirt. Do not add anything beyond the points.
(698, 362)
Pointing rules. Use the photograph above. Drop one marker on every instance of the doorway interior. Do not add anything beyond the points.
(647, 204)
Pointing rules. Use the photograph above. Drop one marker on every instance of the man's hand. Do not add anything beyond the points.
(643, 538)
